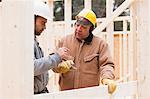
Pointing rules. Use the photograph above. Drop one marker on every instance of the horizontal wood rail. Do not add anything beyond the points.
(123, 90)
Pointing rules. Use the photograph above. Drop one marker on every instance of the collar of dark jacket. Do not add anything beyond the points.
(87, 40)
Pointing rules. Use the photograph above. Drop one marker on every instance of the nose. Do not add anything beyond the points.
(79, 28)
(44, 27)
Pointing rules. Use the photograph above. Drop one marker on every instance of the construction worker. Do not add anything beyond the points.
(90, 54)
(43, 64)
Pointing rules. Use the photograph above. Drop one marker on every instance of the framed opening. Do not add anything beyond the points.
(99, 7)
(58, 10)
(77, 6)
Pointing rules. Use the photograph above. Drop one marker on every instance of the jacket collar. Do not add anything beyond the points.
(87, 40)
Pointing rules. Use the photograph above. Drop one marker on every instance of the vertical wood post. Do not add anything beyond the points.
(16, 51)
(143, 23)
(88, 4)
(110, 27)
(68, 17)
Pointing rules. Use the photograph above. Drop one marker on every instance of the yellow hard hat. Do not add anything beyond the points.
(89, 15)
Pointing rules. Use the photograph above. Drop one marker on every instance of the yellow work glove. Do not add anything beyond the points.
(111, 85)
(65, 66)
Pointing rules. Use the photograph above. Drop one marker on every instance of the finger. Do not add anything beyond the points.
(111, 88)
(73, 68)
(66, 49)
(71, 62)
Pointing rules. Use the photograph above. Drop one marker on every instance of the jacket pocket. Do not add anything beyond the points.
(90, 57)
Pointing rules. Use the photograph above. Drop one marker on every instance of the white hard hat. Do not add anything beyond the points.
(41, 9)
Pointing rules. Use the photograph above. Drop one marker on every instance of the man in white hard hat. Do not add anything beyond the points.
(91, 56)
(43, 64)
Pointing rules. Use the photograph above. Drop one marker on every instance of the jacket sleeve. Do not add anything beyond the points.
(43, 64)
(106, 63)
(58, 45)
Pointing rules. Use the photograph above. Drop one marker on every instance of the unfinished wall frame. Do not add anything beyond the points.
(16, 51)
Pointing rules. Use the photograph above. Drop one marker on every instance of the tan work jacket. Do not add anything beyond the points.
(93, 62)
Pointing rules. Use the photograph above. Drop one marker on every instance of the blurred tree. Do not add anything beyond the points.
(58, 10)
(77, 6)
(118, 2)
(99, 7)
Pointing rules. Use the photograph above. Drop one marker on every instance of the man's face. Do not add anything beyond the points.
(40, 25)
(81, 29)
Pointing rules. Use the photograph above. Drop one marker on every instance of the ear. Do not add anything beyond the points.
(91, 29)
(35, 17)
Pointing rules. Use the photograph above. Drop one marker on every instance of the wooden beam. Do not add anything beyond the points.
(110, 27)
(132, 39)
(123, 90)
(68, 16)
(88, 4)
(1, 49)
(16, 51)
(143, 24)
(124, 48)
(116, 13)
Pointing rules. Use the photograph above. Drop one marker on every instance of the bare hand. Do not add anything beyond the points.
(64, 53)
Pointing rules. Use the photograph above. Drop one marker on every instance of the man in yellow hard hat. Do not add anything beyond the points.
(91, 56)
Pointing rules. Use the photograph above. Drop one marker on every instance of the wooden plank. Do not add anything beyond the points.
(143, 23)
(68, 16)
(88, 4)
(119, 18)
(16, 66)
(0, 46)
(116, 55)
(123, 90)
(125, 62)
(121, 32)
(116, 13)
(50, 28)
(110, 27)
(120, 56)
(132, 45)
(44, 96)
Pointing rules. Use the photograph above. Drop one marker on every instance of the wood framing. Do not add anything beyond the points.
(16, 50)
(88, 4)
(68, 17)
(123, 90)
(16, 53)
(143, 30)
(116, 13)
(110, 27)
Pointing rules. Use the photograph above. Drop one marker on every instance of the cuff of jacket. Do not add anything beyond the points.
(57, 58)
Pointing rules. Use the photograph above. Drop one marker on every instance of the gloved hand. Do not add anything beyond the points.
(65, 66)
(111, 85)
